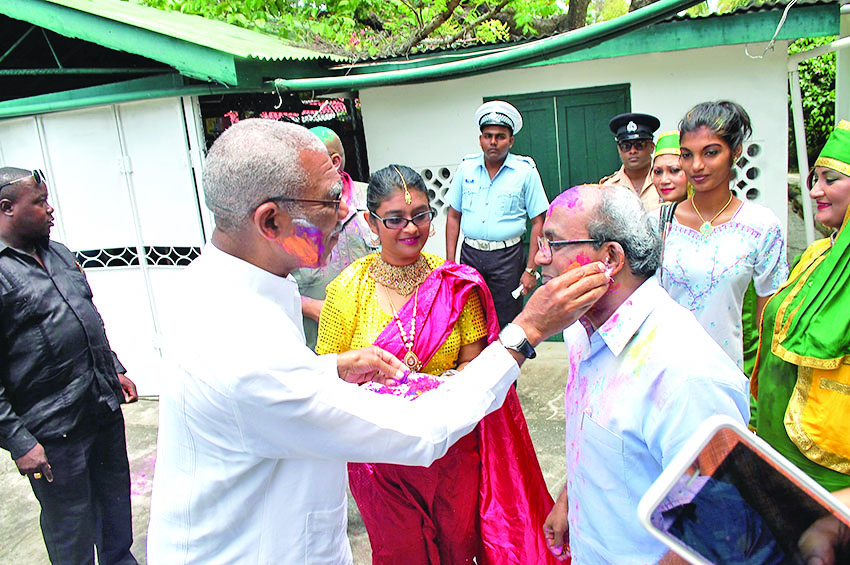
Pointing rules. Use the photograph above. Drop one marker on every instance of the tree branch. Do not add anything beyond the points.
(491, 11)
(425, 31)
(416, 14)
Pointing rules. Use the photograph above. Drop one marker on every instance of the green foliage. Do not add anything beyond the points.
(817, 85)
(372, 27)
(606, 10)
(491, 31)
(700, 9)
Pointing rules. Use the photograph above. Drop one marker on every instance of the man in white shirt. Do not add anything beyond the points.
(255, 429)
(643, 374)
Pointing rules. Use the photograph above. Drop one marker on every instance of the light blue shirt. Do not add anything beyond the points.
(637, 389)
(496, 209)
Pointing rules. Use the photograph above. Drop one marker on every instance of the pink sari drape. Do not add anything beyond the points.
(513, 500)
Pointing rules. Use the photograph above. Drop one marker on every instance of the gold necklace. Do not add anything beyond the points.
(410, 359)
(404, 279)
(706, 228)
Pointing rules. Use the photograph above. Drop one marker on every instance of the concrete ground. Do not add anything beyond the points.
(540, 388)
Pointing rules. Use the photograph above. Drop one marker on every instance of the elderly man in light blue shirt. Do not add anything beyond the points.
(491, 195)
(642, 375)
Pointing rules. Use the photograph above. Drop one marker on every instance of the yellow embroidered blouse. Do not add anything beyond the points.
(351, 317)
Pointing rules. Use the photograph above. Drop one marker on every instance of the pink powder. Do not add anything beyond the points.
(570, 198)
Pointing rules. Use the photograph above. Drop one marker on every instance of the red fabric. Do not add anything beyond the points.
(421, 515)
(512, 498)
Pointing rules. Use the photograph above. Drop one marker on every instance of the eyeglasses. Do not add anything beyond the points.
(399, 222)
(545, 245)
(335, 202)
(639, 144)
(37, 175)
(335, 194)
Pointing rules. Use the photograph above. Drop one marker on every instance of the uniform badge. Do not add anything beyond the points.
(631, 127)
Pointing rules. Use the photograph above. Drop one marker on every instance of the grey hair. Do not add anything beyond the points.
(252, 161)
(619, 216)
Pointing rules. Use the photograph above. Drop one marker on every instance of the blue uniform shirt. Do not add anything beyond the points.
(496, 209)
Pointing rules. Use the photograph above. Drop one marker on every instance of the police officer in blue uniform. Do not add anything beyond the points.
(491, 195)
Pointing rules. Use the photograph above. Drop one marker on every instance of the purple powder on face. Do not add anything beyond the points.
(305, 242)
(307, 231)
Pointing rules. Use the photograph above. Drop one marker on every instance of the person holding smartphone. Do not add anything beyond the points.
(827, 541)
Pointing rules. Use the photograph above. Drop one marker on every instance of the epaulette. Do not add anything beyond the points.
(604, 179)
(470, 156)
(527, 159)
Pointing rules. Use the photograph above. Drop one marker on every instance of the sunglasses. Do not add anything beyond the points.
(36, 174)
(399, 222)
(639, 144)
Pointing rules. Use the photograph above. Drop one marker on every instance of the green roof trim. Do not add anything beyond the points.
(149, 88)
(734, 29)
(197, 47)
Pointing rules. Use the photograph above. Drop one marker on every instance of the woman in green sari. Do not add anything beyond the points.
(801, 381)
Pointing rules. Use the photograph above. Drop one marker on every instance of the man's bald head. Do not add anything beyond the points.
(578, 199)
(333, 145)
(611, 214)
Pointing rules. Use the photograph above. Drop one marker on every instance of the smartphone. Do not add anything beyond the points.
(729, 497)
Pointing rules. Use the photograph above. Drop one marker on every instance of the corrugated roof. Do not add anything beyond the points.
(757, 6)
(207, 33)
(462, 50)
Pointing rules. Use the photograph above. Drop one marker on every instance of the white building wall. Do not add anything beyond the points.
(431, 126)
(121, 178)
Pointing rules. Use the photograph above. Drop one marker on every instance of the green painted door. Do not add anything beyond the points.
(567, 135)
(588, 151)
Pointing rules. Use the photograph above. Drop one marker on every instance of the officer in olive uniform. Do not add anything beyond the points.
(633, 133)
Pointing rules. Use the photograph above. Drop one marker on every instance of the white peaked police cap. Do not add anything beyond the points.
(498, 113)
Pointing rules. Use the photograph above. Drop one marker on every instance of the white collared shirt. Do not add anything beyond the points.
(637, 389)
(255, 429)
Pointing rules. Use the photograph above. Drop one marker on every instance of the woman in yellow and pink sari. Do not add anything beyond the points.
(486, 498)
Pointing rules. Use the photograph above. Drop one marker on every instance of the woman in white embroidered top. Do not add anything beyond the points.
(717, 243)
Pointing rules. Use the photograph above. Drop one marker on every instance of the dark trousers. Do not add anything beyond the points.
(88, 503)
(502, 270)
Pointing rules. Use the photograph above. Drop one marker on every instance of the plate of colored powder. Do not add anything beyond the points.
(411, 388)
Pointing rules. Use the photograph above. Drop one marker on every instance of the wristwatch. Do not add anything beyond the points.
(513, 337)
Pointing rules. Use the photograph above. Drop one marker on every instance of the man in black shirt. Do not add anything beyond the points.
(61, 385)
